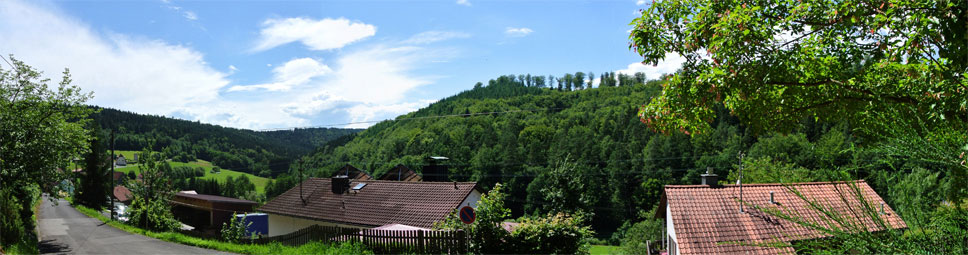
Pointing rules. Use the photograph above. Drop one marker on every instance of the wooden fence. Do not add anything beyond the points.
(378, 240)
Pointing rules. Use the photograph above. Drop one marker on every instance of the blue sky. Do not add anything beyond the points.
(281, 64)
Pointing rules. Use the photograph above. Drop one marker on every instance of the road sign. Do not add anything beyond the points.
(467, 215)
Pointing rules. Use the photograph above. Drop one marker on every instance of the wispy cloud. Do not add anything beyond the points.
(293, 73)
(131, 73)
(517, 31)
(464, 2)
(324, 34)
(190, 15)
(640, 2)
(435, 36)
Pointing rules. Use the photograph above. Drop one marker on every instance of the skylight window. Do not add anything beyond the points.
(359, 186)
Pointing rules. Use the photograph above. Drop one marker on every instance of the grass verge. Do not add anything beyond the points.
(274, 248)
(605, 249)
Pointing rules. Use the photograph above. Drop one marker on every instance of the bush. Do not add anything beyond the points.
(11, 225)
(555, 234)
(234, 230)
(153, 214)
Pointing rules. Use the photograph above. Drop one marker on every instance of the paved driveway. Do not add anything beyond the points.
(65, 230)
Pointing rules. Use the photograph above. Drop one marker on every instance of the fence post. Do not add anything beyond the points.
(420, 242)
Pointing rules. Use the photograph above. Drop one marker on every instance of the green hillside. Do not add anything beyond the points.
(585, 150)
(263, 153)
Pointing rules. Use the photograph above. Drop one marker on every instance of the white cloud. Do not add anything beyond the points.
(190, 15)
(324, 34)
(670, 64)
(435, 36)
(377, 79)
(517, 32)
(293, 73)
(141, 75)
(464, 2)
(640, 2)
(150, 76)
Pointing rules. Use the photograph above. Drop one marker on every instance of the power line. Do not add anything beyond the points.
(8, 62)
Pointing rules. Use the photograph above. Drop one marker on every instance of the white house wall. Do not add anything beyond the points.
(281, 225)
(471, 200)
(671, 230)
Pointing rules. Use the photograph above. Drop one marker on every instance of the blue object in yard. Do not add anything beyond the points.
(260, 223)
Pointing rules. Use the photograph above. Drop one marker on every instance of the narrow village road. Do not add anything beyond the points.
(64, 230)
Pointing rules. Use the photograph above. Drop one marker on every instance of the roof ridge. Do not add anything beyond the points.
(391, 181)
(768, 184)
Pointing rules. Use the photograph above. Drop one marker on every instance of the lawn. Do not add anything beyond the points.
(604, 249)
(260, 182)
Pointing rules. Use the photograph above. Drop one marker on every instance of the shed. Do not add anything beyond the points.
(208, 211)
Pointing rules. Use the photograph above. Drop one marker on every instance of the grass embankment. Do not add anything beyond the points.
(260, 182)
(274, 248)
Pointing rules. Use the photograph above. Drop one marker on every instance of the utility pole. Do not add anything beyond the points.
(740, 181)
(111, 196)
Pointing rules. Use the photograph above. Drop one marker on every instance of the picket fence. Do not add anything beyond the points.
(378, 240)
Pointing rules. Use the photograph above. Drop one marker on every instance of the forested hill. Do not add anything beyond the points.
(571, 150)
(256, 152)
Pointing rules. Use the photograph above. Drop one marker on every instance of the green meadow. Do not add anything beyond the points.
(260, 182)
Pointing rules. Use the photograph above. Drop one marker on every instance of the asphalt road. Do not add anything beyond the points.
(64, 230)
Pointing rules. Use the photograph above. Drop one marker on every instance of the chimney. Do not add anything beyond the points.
(340, 184)
(709, 178)
(434, 171)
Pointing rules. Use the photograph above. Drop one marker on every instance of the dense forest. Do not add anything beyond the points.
(582, 149)
(263, 153)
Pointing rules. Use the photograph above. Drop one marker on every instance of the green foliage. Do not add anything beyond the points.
(150, 208)
(41, 129)
(564, 189)
(766, 170)
(636, 237)
(485, 234)
(775, 63)
(555, 234)
(234, 230)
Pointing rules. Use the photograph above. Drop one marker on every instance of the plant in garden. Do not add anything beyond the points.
(555, 234)
(234, 230)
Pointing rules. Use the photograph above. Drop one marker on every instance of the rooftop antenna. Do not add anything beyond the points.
(740, 182)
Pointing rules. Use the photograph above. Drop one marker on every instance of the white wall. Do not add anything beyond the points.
(471, 200)
(281, 225)
(670, 231)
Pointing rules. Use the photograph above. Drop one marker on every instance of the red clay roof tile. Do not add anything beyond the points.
(379, 203)
(708, 221)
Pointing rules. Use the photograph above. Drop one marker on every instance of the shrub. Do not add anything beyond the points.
(234, 230)
(556, 234)
(153, 214)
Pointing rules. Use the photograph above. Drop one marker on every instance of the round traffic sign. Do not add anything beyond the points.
(467, 215)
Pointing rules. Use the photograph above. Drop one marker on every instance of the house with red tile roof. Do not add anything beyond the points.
(711, 219)
(344, 202)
